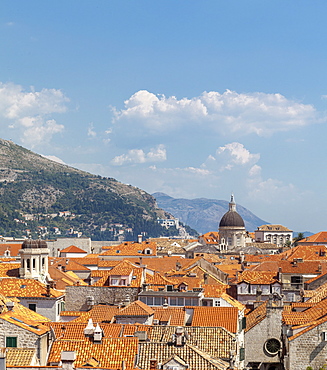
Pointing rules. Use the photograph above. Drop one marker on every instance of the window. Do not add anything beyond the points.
(150, 301)
(180, 301)
(11, 341)
(32, 306)
(173, 301)
(242, 323)
(195, 302)
(272, 346)
(217, 303)
(28, 264)
(33, 263)
(242, 354)
(114, 281)
(157, 301)
(188, 302)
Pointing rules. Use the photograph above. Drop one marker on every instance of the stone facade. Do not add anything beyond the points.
(78, 297)
(256, 340)
(62, 243)
(308, 349)
(48, 307)
(25, 339)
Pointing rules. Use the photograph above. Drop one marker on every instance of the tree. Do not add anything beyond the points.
(299, 237)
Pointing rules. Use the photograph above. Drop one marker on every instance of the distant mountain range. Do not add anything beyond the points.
(203, 214)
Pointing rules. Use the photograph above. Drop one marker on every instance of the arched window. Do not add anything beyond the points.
(28, 264)
(33, 263)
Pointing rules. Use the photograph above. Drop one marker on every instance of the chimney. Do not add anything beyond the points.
(205, 278)
(153, 363)
(98, 334)
(180, 337)
(319, 268)
(10, 305)
(89, 329)
(67, 359)
(178, 266)
(258, 295)
(139, 238)
(279, 274)
(48, 294)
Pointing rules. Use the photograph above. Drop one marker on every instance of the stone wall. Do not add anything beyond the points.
(62, 243)
(49, 308)
(25, 339)
(76, 296)
(309, 349)
(256, 337)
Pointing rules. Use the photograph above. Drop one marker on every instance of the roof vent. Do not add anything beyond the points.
(89, 329)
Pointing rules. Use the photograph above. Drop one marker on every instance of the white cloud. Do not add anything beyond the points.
(229, 156)
(90, 131)
(39, 131)
(238, 154)
(54, 158)
(198, 171)
(157, 154)
(245, 113)
(28, 112)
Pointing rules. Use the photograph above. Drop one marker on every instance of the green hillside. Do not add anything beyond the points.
(52, 199)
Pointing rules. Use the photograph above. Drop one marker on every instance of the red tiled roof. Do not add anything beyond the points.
(225, 317)
(136, 308)
(107, 355)
(72, 249)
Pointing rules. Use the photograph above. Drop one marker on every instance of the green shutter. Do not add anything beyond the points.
(243, 323)
(242, 354)
(11, 341)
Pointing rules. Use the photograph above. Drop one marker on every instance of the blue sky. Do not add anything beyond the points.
(190, 98)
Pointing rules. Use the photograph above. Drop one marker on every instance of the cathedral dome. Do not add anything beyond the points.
(231, 218)
(29, 243)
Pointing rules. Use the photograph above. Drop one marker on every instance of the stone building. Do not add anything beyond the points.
(263, 336)
(232, 231)
(34, 260)
(276, 234)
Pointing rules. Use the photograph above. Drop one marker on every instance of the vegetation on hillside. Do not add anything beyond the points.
(52, 199)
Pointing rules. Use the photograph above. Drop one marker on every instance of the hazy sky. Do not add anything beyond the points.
(190, 98)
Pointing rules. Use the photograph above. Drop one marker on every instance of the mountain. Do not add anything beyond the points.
(203, 214)
(52, 199)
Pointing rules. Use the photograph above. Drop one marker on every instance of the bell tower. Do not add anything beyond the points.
(34, 260)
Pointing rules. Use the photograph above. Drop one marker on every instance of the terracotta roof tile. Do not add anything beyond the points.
(109, 354)
(226, 317)
(257, 277)
(257, 315)
(72, 249)
(136, 308)
(10, 287)
(20, 357)
(130, 249)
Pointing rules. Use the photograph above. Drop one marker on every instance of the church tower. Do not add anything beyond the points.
(232, 231)
(34, 260)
